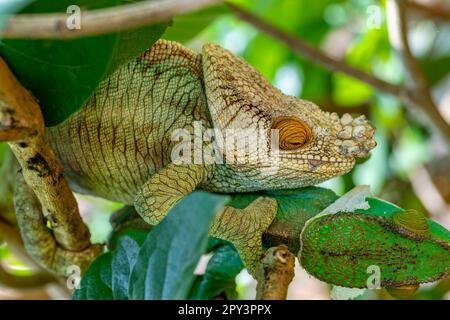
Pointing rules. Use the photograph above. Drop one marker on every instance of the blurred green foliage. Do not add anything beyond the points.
(62, 74)
(355, 31)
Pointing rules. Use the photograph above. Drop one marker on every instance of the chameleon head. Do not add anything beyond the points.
(397, 250)
(312, 145)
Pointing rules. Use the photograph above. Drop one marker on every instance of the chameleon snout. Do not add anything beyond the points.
(355, 139)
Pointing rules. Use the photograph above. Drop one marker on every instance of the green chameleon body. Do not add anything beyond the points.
(120, 146)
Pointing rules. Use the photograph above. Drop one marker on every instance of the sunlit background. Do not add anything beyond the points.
(409, 167)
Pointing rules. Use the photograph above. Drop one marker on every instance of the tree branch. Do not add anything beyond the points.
(53, 25)
(317, 56)
(274, 273)
(40, 166)
(24, 282)
(439, 12)
(419, 91)
(410, 96)
(8, 171)
(12, 238)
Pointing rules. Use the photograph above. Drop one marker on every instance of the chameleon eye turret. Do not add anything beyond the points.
(119, 147)
(293, 132)
(339, 248)
(315, 145)
(412, 220)
(403, 292)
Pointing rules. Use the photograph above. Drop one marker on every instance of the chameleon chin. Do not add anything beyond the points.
(118, 146)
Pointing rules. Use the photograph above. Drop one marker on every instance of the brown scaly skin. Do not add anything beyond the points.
(118, 146)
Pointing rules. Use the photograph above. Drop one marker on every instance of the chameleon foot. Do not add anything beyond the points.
(244, 228)
(39, 240)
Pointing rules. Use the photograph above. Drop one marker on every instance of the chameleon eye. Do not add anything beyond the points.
(403, 292)
(293, 132)
(412, 220)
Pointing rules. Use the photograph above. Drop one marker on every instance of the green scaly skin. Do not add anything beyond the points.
(118, 146)
(339, 249)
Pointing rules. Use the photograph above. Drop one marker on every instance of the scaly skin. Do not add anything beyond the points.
(113, 146)
(118, 146)
(339, 249)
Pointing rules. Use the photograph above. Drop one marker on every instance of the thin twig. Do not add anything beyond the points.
(24, 282)
(419, 91)
(411, 97)
(12, 237)
(53, 25)
(435, 11)
(316, 55)
(400, 28)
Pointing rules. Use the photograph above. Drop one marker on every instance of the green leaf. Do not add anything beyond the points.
(295, 207)
(167, 259)
(126, 222)
(435, 69)
(97, 282)
(185, 27)
(3, 149)
(108, 277)
(350, 92)
(122, 264)
(220, 274)
(62, 74)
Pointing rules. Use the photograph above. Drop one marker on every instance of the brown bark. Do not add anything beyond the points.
(274, 273)
(40, 167)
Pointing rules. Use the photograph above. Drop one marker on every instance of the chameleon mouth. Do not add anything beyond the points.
(315, 163)
(317, 159)
(324, 163)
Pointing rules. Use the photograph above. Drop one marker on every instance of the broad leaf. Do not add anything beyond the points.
(220, 274)
(62, 74)
(162, 265)
(166, 262)
(185, 27)
(97, 282)
(295, 207)
(122, 264)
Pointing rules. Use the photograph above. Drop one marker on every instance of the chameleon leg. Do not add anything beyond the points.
(166, 188)
(39, 240)
(242, 227)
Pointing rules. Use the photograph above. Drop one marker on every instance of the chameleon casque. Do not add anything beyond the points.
(119, 146)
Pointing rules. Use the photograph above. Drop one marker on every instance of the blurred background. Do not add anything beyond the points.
(411, 164)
